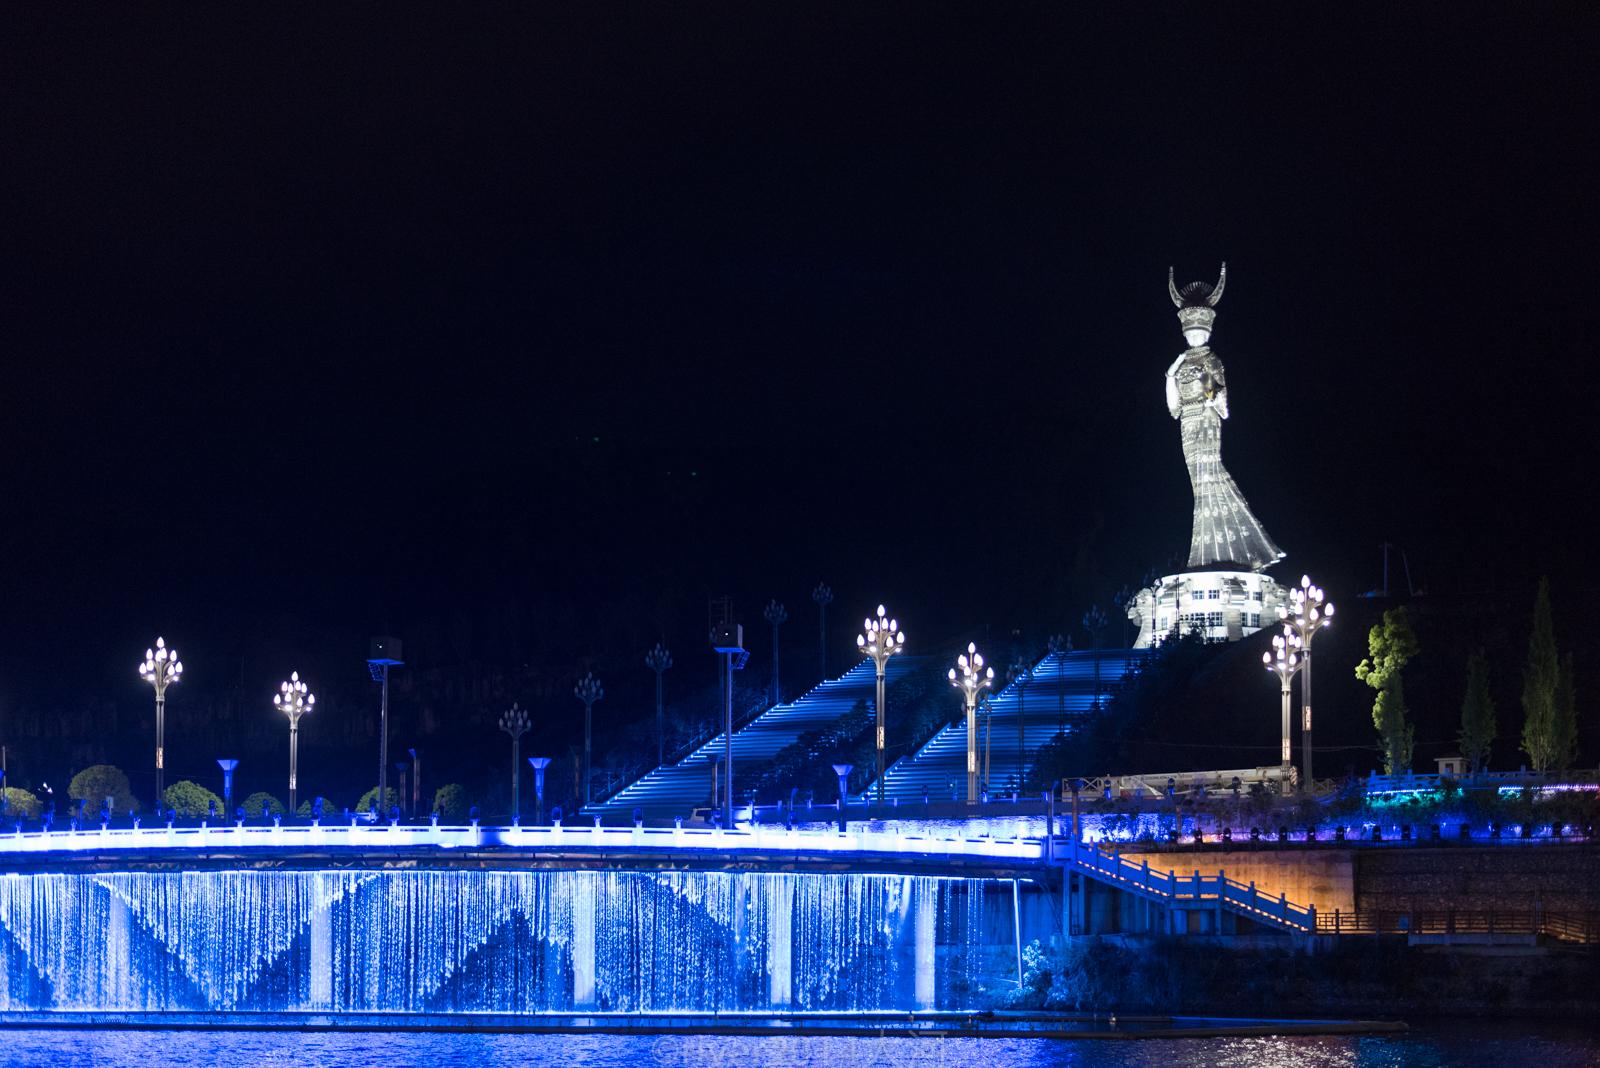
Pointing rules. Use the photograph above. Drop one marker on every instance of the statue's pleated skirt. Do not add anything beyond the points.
(1225, 530)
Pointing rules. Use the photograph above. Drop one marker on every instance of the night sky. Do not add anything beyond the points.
(321, 321)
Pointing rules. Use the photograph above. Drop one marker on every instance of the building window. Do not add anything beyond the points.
(1256, 596)
(1255, 619)
(1213, 619)
(1212, 595)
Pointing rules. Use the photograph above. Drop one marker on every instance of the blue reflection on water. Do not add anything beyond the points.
(1437, 1046)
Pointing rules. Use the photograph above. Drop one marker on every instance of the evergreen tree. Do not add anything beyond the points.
(1391, 644)
(1564, 734)
(1477, 714)
(1540, 680)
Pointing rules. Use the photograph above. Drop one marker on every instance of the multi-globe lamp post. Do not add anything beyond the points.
(1095, 622)
(823, 595)
(880, 638)
(1285, 662)
(1020, 673)
(971, 678)
(1307, 613)
(659, 661)
(514, 721)
(588, 691)
(294, 699)
(777, 615)
(161, 668)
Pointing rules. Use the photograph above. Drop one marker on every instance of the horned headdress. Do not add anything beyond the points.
(1197, 301)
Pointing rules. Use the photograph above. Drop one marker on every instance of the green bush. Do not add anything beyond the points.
(22, 804)
(451, 803)
(304, 811)
(261, 804)
(96, 783)
(392, 798)
(191, 799)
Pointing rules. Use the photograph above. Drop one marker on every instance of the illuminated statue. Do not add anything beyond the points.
(1225, 531)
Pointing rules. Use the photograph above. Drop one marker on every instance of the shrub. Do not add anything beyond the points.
(20, 804)
(261, 804)
(306, 807)
(190, 799)
(96, 783)
(451, 803)
(391, 795)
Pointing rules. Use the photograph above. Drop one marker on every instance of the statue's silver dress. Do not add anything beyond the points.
(1225, 530)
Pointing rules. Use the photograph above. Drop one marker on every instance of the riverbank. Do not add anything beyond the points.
(1000, 1024)
(1353, 977)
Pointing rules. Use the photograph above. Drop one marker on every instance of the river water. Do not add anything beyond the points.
(1495, 1045)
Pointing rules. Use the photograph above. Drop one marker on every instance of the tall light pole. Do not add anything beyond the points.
(971, 678)
(1060, 645)
(161, 668)
(1306, 614)
(823, 595)
(514, 721)
(1284, 661)
(880, 638)
(294, 700)
(986, 706)
(588, 691)
(227, 767)
(383, 653)
(777, 615)
(1020, 673)
(1094, 621)
(659, 661)
(539, 764)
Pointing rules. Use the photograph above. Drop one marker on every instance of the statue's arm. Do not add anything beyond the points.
(1172, 387)
(1219, 387)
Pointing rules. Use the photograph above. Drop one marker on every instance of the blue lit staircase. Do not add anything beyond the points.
(677, 789)
(1061, 692)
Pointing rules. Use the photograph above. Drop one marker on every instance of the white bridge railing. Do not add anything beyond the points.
(1107, 866)
(313, 837)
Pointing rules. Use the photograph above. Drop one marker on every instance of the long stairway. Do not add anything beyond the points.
(1059, 694)
(676, 789)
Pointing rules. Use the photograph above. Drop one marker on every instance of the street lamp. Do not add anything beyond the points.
(777, 615)
(659, 661)
(1284, 661)
(514, 721)
(971, 679)
(1020, 673)
(161, 668)
(227, 767)
(823, 595)
(294, 700)
(1060, 645)
(539, 764)
(880, 638)
(1306, 614)
(1095, 621)
(588, 691)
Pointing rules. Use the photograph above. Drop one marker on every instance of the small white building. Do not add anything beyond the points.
(1221, 606)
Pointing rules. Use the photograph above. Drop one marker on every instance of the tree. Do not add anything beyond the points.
(21, 804)
(451, 803)
(391, 799)
(1565, 733)
(261, 804)
(1540, 680)
(1477, 714)
(1391, 644)
(190, 799)
(96, 783)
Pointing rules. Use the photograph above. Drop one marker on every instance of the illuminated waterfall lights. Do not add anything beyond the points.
(971, 678)
(161, 668)
(1284, 661)
(294, 700)
(546, 941)
(1305, 615)
(880, 638)
(514, 721)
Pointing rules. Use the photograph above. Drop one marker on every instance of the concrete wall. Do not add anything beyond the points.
(1558, 877)
(1325, 878)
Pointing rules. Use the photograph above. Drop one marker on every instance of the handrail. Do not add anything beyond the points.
(1240, 897)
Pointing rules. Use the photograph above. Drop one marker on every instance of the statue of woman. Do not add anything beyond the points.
(1225, 530)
